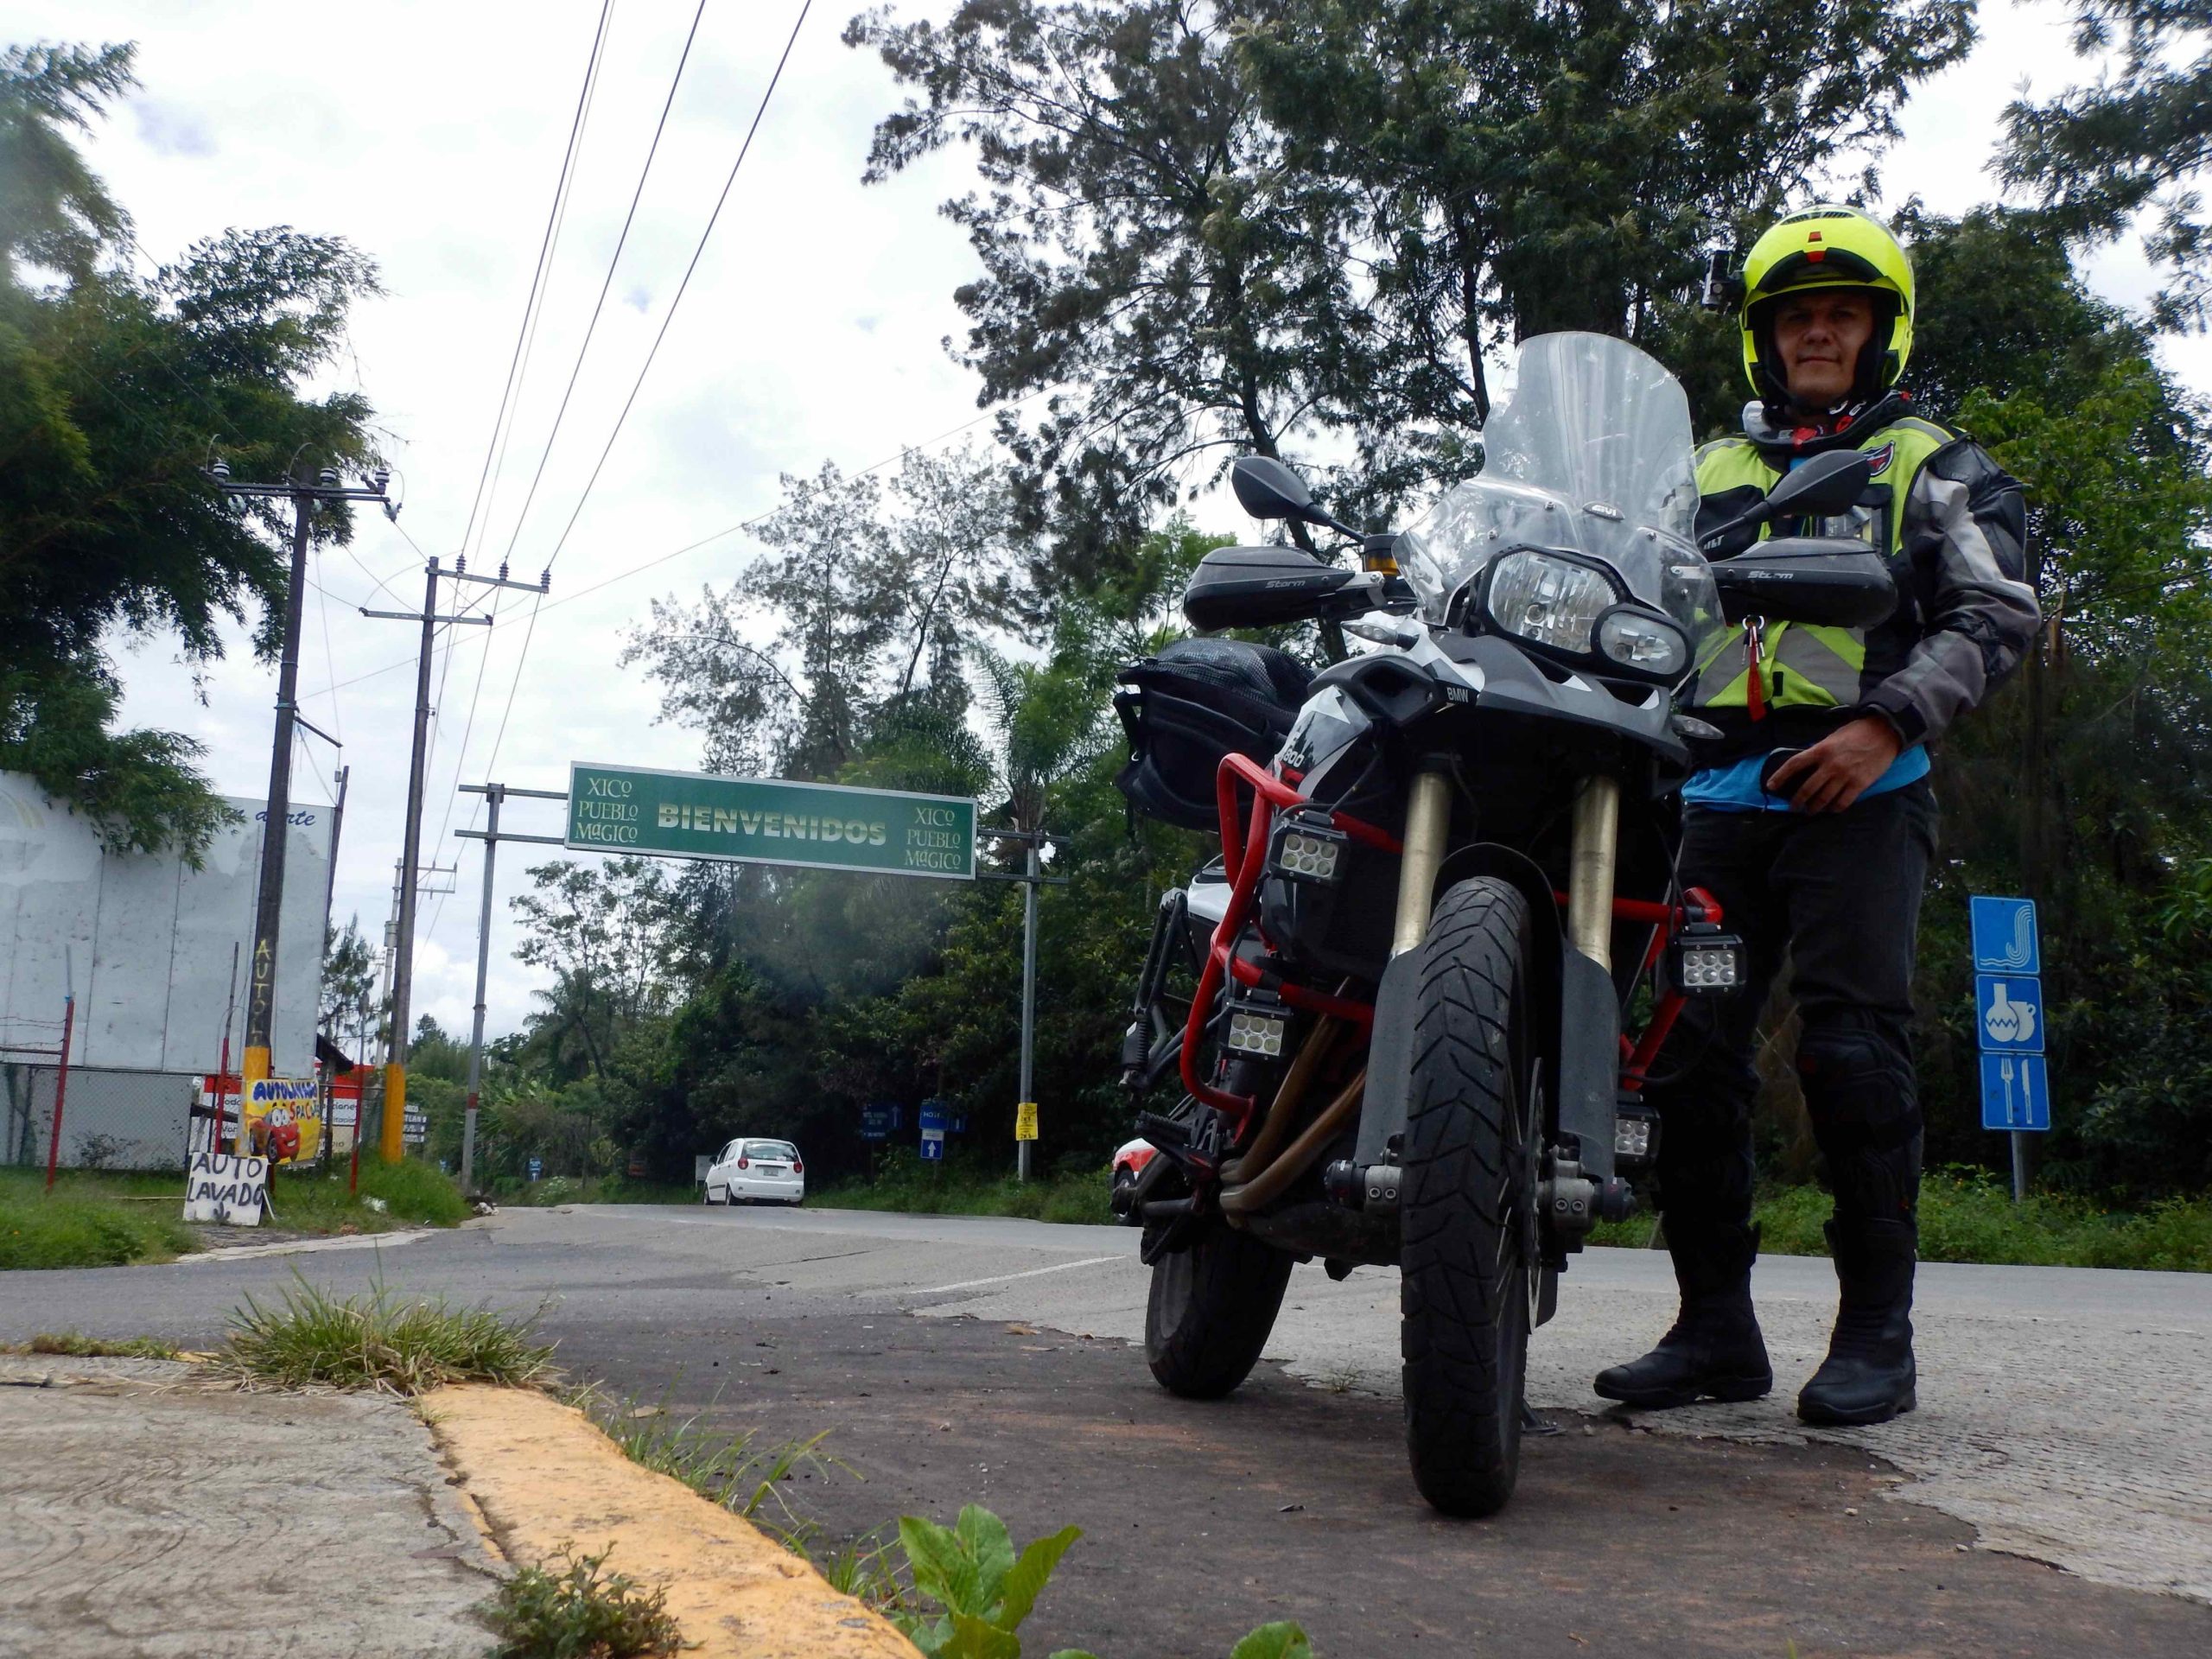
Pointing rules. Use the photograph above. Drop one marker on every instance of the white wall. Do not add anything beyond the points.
(149, 938)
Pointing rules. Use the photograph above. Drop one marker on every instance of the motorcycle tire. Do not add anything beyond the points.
(1468, 1199)
(1211, 1311)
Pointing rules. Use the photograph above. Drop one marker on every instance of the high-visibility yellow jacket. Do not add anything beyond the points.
(1953, 525)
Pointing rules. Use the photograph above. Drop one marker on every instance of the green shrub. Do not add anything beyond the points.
(380, 1342)
(86, 1223)
(580, 1613)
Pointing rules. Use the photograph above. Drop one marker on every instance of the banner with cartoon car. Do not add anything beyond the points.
(283, 1120)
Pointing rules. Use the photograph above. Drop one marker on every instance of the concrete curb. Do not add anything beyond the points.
(542, 1475)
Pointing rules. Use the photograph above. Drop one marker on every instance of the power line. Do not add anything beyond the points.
(532, 304)
(660, 559)
(670, 317)
(607, 282)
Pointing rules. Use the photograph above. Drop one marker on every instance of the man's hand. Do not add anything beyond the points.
(1836, 770)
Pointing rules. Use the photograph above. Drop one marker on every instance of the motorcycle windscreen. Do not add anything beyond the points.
(1591, 454)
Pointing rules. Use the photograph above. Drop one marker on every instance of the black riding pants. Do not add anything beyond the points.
(1838, 893)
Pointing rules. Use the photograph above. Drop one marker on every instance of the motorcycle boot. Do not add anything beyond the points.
(1869, 1375)
(1714, 1351)
(1865, 1114)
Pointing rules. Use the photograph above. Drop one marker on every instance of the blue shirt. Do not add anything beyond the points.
(1736, 788)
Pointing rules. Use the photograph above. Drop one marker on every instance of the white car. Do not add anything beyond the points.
(748, 1171)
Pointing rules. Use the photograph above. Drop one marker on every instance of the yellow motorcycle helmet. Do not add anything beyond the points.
(1827, 246)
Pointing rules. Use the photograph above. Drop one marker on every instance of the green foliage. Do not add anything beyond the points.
(970, 1570)
(1270, 225)
(579, 1611)
(86, 1223)
(79, 1346)
(2103, 155)
(378, 1341)
(1966, 1214)
(114, 387)
(1279, 1641)
(978, 1184)
(742, 1473)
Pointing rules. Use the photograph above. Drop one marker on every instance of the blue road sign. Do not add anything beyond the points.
(2015, 1092)
(2005, 940)
(878, 1120)
(537, 1167)
(933, 1116)
(932, 1145)
(2008, 1014)
(959, 1124)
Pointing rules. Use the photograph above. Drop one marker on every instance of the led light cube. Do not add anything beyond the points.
(1632, 1137)
(1306, 851)
(1256, 1033)
(1706, 961)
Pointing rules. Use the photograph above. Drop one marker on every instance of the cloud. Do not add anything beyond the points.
(638, 299)
(168, 130)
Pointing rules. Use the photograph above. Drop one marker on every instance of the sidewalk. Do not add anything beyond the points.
(151, 1511)
(148, 1511)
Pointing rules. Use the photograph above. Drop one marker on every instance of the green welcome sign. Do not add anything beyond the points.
(768, 821)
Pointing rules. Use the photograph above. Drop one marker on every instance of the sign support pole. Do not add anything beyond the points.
(493, 794)
(392, 1145)
(1030, 874)
(2020, 1167)
(305, 489)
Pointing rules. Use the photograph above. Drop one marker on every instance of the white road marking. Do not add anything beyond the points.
(302, 1246)
(1002, 1277)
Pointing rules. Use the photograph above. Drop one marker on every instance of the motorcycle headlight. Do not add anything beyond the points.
(1642, 643)
(1552, 601)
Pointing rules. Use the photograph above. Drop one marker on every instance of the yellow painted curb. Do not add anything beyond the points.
(543, 1475)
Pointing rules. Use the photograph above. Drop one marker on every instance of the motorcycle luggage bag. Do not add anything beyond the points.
(1196, 701)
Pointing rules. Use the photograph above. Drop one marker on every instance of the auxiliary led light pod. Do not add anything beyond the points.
(1258, 1027)
(1703, 960)
(1307, 850)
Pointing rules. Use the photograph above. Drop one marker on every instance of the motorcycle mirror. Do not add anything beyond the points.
(1825, 484)
(1268, 489)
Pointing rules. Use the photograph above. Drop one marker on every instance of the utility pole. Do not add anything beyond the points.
(306, 492)
(489, 834)
(1031, 877)
(390, 1146)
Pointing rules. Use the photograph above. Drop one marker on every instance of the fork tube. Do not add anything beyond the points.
(1590, 870)
(1428, 820)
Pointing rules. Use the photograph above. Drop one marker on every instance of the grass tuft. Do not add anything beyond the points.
(739, 1472)
(581, 1612)
(932, 1190)
(379, 1341)
(82, 1347)
(86, 1222)
(1968, 1215)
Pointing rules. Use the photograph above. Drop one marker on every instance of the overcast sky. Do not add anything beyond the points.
(430, 137)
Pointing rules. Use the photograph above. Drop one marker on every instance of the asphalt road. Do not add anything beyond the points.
(2065, 1421)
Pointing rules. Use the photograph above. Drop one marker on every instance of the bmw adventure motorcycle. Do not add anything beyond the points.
(1410, 1009)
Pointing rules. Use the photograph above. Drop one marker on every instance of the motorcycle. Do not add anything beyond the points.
(1411, 1008)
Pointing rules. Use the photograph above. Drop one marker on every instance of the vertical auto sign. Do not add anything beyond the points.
(2009, 1022)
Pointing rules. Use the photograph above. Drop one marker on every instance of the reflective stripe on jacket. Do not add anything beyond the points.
(1955, 548)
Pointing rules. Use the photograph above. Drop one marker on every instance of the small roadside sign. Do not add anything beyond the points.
(2015, 1092)
(2008, 1014)
(1025, 1121)
(2005, 938)
(222, 1187)
(537, 1167)
(414, 1127)
(877, 1120)
(932, 1146)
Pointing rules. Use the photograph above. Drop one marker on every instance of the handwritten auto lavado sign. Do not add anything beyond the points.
(769, 820)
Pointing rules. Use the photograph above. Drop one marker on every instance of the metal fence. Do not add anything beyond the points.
(112, 1118)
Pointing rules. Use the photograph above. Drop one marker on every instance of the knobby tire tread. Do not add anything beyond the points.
(1464, 1332)
(1211, 1311)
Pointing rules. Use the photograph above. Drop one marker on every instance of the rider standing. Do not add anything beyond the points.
(1812, 822)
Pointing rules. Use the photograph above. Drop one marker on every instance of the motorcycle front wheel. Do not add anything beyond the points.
(1211, 1311)
(1468, 1201)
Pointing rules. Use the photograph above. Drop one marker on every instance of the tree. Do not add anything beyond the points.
(871, 595)
(598, 930)
(349, 984)
(1261, 225)
(115, 390)
(2103, 156)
